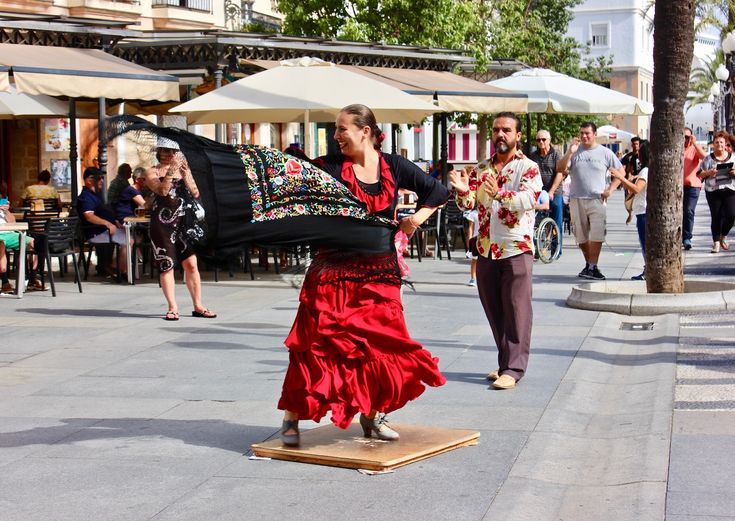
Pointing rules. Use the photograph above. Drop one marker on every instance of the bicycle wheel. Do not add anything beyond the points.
(547, 240)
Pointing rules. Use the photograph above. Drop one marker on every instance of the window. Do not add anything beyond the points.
(194, 5)
(599, 34)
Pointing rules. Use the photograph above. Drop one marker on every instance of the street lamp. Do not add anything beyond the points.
(716, 98)
(725, 74)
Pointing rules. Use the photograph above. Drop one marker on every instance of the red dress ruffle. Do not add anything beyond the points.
(349, 348)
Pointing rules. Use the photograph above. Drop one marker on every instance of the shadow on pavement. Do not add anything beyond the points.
(217, 434)
(110, 313)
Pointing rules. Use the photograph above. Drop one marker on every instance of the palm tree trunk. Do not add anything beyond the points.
(673, 46)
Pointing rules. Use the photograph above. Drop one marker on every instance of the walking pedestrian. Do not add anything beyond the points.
(717, 171)
(474, 229)
(589, 165)
(169, 180)
(693, 155)
(637, 185)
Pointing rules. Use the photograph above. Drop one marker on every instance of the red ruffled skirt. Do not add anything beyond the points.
(349, 348)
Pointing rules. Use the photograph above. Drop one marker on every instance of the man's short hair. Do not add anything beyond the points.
(635, 139)
(44, 176)
(124, 170)
(91, 171)
(589, 124)
(510, 115)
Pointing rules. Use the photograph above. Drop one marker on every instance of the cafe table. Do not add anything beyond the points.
(20, 275)
(129, 223)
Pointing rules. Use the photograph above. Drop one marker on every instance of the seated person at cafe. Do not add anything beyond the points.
(99, 224)
(129, 199)
(10, 240)
(41, 190)
(139, 184)
(117, 185)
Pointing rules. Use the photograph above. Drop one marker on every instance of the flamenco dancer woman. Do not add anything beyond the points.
(349, 348)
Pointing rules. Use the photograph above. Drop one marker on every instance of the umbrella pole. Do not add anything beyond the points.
(102, 144)
(217, 85)
(528, 133)
(443, 154)
(307, 135)
(73, 154)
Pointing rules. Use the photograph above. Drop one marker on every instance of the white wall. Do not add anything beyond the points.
(630, 42)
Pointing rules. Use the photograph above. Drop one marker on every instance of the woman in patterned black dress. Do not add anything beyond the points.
(168, 180)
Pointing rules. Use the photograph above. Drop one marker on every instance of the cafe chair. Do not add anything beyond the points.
(455, 222)
(432, 227)
(60, 243)
(37, 230)
(141, 248)
(105, 251)
(48, 204)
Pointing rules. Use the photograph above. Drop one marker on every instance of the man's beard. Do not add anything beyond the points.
(502, 146)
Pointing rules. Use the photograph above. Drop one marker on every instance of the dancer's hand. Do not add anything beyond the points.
(460, 180)
(408, 226)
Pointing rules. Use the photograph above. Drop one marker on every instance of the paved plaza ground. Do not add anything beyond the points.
(107, 412)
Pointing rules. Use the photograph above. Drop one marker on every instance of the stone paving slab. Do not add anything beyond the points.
(534, 500)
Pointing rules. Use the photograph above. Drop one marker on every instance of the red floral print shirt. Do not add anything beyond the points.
(506, 220)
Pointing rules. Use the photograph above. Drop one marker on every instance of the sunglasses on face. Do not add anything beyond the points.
(540, 139)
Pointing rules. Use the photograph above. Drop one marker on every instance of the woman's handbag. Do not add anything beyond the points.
(194, 225)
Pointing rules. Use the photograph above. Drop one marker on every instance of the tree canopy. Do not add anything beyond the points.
(531, 31)
(454, 24)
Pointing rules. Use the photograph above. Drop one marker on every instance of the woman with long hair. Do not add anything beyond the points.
(349, 348)
(637, 186)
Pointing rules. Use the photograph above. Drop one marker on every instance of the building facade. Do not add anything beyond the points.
(193, 40)
(144, 15)
(622, 30)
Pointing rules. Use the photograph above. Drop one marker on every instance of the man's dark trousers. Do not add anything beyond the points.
(505, 288)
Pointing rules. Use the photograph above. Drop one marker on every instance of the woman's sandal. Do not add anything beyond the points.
(171, 316)
(203, 314)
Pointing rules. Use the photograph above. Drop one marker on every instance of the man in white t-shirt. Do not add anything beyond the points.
(590, 164)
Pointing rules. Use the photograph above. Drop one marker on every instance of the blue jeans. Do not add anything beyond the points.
(556, 212)
(640, 224)
(691, 196)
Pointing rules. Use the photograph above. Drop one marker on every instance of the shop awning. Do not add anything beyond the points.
(19, 105)
(82, 73)
(452, 92)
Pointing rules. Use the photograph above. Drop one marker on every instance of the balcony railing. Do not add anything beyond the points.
(194, 5)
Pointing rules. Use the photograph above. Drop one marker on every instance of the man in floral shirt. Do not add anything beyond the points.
(504, 189)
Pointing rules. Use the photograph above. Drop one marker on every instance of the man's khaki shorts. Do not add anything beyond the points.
(588, 219)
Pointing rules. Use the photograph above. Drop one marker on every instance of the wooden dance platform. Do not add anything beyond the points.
(335, 447)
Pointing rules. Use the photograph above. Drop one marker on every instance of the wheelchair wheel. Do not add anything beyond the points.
(547, 240)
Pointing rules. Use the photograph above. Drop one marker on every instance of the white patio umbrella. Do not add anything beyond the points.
(14, 104)
(303, 90)
(550, 92)
(611, 134)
